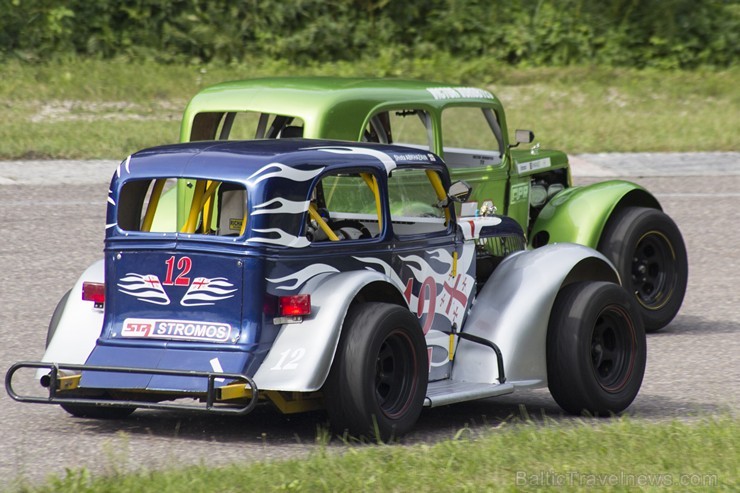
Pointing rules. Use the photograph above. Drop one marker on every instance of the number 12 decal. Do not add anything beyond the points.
(285, 363)
(184, 264)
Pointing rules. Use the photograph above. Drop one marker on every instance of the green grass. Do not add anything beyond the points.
(108, 109)
(621, 454)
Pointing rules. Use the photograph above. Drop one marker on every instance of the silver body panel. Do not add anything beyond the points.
(311, 344)
(80, 324)
(513, 310)
(446, 392)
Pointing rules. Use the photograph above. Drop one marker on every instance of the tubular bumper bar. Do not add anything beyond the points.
(212, 402)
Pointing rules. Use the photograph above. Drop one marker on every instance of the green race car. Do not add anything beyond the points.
(467, 127)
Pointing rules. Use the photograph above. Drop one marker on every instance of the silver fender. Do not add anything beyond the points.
(301, 356)
(80, 324)
(513, 311)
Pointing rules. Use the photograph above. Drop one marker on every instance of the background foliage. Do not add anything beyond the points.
(633, 33)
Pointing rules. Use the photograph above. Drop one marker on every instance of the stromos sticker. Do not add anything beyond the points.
(147, 328)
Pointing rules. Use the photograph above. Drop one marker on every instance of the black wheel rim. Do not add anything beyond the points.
(395, 375)
(653, 270)
(613, 348)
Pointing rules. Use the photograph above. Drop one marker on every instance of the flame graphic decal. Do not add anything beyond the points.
(303, 275)
(285, 239)
(384, 158)
(284, 207)
(282, 171)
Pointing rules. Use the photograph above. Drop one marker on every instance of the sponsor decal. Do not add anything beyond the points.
(459, 93)
(235, 224)
(147, 328)
(413, 157)
(533, 165)
(520, 193)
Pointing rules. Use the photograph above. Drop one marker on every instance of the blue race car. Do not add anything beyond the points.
(319, 274)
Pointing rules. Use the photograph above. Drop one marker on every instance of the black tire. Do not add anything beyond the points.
(97, 412)
(596, 349)
(378, 380)
(55, 317)
(650, 255)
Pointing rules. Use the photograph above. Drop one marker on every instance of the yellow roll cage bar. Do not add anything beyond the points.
(205, 191)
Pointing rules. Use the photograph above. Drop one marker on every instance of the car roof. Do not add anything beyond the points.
(334, 89)
(327, 104)
(239, 160)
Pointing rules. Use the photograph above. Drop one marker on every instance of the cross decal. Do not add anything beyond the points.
(455, 294)
(200, 282)
(153, 280)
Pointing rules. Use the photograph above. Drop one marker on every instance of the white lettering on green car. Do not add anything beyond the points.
(459, 93)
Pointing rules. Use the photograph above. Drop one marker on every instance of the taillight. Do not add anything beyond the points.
(296, 305)
(95, 292)
(292, 309)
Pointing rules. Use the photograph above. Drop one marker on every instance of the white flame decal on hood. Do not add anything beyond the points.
(303, 275)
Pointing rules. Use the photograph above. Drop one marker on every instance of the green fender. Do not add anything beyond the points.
(579, 214)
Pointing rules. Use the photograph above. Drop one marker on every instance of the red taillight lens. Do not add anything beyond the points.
(93, 291)
(295, 306)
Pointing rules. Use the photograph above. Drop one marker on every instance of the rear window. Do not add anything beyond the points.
(202, 207)
(245, 125)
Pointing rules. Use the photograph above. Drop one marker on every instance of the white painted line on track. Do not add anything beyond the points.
(605, 165)
(699, 195)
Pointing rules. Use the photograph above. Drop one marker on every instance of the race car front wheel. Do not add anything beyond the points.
(378, 381)
(596, 349)
(649, 252)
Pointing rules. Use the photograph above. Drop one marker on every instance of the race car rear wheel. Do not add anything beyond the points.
(378, 381)
(97, 412)
(649, 253)
(596, 349)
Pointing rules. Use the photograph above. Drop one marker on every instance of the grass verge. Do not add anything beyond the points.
(623, 454)
(108, 109)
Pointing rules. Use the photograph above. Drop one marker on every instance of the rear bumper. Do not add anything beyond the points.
(236, 393)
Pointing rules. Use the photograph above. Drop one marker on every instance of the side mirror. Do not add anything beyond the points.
(459, 191)
(523, 137)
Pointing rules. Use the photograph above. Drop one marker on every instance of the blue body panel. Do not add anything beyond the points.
(185, 301)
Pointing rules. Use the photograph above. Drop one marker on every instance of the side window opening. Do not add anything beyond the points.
(411, 127)
(207, 207)
(345, 206)
(244, 125)
(471, 137)
(415, 196)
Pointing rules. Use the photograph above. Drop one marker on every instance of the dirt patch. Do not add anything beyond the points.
(74, 110)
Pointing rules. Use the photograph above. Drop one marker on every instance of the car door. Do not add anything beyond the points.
(437, 274)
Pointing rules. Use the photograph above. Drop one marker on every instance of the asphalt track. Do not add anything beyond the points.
(51, 227)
